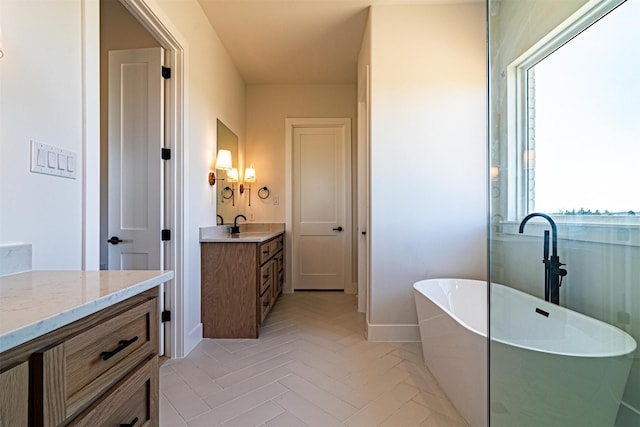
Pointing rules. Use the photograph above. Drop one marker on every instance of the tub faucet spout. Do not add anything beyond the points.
(553, 274)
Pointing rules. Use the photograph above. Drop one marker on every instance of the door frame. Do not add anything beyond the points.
(290, 125)
(364, 193)
(173, 189)
(156, 22)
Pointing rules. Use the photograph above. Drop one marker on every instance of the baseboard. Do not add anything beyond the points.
(351, 288)
(192, 339)
(396, 333)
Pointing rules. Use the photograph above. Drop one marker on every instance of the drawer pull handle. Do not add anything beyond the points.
(265, 304)
(265, 276)
(265, 252)
(106, 355)
(131, 424)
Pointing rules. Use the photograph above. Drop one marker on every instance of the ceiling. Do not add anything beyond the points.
(294, 41)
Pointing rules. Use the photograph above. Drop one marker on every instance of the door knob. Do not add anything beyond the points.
(115, 240)
(337, 229)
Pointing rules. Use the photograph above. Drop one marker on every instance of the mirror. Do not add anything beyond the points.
(227, 204)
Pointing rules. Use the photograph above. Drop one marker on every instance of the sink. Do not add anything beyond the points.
(249, 232)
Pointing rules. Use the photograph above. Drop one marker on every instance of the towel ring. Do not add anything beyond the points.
(227, 193)
(262, 191)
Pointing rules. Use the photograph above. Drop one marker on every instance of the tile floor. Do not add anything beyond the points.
(310, 367)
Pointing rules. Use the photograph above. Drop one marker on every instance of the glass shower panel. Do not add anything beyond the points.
(564, 142)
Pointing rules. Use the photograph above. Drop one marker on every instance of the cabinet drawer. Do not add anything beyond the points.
(265, 277)
(278, 244)
(264, 252)
(133, 401)
(268, 249)
(82, 368)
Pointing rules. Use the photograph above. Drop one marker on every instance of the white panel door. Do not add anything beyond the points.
(136, 91)
(320, 224)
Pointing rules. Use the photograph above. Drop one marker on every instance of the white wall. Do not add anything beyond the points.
(267, 108)
(41, 99)
(214, 90)
(428, 151)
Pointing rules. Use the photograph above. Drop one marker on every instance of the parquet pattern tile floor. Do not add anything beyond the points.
(311, 366)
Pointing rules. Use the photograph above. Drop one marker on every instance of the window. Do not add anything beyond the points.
(578, 121)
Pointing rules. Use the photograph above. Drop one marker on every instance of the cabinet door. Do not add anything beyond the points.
(280, 275)
(273, 266)
(14, 398)
(266, 301)
(266, 277)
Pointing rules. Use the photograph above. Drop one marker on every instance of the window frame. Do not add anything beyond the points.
(519, 176)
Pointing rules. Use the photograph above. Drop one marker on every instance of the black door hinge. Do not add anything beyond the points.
(166, 72)
(166, 154)
(166, 235)
(166, 316)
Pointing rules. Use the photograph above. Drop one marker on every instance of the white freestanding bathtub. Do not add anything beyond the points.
(550, 366)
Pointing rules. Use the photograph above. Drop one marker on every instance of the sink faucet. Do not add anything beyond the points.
(553, 274)
(221, 219)
(236, 228)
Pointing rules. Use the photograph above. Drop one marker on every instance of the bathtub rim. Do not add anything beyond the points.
(628, 340)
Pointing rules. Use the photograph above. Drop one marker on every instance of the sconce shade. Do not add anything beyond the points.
(250, 174)
(223, 161)
(495, 172)
(232, 175)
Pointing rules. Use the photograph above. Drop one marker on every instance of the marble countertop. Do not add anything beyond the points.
(34, 303)
(249, 233)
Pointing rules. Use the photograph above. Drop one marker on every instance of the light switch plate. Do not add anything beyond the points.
(59, 162)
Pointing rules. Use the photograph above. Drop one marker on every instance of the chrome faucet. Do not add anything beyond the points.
(236, 228)
(553, 274)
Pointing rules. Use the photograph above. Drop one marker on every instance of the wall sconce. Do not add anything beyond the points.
(249, 177)
(495, 173)
(223, 162)
(232, 177)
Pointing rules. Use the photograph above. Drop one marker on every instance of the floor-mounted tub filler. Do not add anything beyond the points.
(549, 365)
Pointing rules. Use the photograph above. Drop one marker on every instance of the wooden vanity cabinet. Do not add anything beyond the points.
(99, 370)
(240, 283)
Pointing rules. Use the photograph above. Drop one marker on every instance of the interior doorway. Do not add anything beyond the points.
(320, 209)
(131, 25)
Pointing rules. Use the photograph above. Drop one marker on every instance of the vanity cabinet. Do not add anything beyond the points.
(240, 283)
(99, 370)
